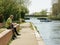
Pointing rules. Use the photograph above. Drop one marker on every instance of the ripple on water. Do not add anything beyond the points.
(50, 32)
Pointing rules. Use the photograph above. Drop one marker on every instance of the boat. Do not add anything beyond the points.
(45, 20)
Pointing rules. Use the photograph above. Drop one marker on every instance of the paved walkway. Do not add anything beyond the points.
(27, 36)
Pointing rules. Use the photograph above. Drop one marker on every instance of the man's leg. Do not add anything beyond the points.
(11, 27)
(16, 31)
(13, 33)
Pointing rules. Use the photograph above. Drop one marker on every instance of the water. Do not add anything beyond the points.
(50, 31)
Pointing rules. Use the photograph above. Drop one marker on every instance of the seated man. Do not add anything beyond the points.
(9, 25)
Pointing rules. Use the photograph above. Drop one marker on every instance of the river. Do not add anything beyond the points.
(50, 31)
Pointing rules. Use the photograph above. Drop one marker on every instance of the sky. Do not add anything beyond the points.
(38, 5)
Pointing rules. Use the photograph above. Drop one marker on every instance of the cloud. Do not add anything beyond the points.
(38, 5)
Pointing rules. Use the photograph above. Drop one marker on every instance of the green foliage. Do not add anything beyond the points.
(13, 7)
(42, 13)
(24, 10)
(36, 13)
(24, 2)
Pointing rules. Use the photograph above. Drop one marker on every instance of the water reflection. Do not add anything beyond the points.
(50, 31)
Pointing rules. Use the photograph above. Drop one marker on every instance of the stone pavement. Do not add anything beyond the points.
(27, 36)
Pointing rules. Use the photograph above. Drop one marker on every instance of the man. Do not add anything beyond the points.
(9, 25)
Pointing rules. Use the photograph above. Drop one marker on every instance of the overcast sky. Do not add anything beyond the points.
(38, 5)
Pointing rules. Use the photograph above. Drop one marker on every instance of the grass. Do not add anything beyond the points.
(37, 29)
(1, 30)
(10, 41)
(31, 26)
(34, 27)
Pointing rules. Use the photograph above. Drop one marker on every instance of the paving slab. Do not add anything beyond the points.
(28, 36)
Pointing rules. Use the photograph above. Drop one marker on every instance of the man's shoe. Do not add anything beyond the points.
(13, 38)
(18, 34)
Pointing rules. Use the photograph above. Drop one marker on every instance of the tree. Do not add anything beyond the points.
(1, 7)
(36, 13)
(9, 7)
(43, 12)
(22, 5)
(24, 2)
(14, 7)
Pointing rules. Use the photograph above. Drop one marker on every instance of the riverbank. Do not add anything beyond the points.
(28, 36)
(38, 36)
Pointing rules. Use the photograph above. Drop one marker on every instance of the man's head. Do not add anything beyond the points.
(11, 16)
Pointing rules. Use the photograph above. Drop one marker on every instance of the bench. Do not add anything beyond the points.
(17, 26)
(6, 35)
